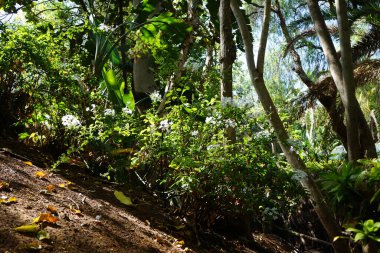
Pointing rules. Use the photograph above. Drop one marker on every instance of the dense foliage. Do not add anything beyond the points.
(70, 84)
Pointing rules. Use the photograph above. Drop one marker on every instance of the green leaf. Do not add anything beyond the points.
(43, 235)
(110, 78)
(129, 100)
(28, 229)
(123, 199)
(359, 236)
(353, 230)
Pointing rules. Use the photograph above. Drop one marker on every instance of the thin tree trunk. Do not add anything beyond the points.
(321, 208)
(122, 44)
(327, 100)
(227, 57)
(350, 102)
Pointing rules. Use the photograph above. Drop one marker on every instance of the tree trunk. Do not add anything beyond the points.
(348, 82)
(227, 57)
(321, 208)
(342, 82)
(327, 100)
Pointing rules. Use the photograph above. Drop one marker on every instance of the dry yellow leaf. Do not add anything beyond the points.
(40, 174)
(50, 188)
(28, 163)
(4, 186)
(52, 209)
(12, 200)
(76, 211)
(62, 185)
(29, 229)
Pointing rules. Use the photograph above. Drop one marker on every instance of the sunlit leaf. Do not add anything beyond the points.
(28, 163)
(4, 186)
(43, 235)
(62, 185)
(12, 200)
(123, 199)
(45, 217)
(28, 229)
(40, 174)
(52, 209)
(50, 188)
(76, 211)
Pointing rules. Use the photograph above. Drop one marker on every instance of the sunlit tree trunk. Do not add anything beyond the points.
(321, 208)
(227, 58)
(343, 79)
(328, 100)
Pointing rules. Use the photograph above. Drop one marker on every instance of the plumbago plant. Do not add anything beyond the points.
(187, 155)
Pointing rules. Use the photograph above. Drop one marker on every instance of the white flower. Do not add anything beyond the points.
(155, 97)
(70, 121)
(210, 147)
(92, 109)
(109, 112)
(194, 133)
(210, 120)
(230, 123)
(165, 124)
(126, 110)
(227, 101)
(104, 27)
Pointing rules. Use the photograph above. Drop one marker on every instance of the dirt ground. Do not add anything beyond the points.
(90, 217)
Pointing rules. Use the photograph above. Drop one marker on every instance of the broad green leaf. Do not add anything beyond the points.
(110, 78)
(129, 100)
(123, 199)
(359, 236)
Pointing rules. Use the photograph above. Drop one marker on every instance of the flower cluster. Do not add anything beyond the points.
(92, 108)
(165, 125)
(126, 110)
(109, 112)
(155, 97)
(70, 121)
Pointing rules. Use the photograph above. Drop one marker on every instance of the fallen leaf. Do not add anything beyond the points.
(4, 186)
(12, 200)
(62, 185)
(50, 188)
(123, 199)
(28, 229)
(5, 200)
(40, 174)
(52, 209)
(45, 217)
(76, 211)
(28, 163)
(180, 227)
(43, 235)
(28, 247)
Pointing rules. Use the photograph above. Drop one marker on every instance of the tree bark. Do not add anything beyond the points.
(227, 57)
(349, 100)
(348, 82)
(306, 179)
